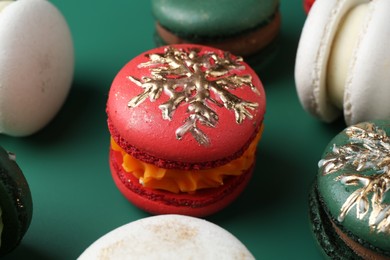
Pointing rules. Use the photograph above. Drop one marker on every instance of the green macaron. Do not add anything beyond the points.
(245, 28)
(15, 203)
(349, 202)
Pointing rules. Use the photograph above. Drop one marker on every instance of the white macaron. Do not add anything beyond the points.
(167, 237)
(343, 60)
(36, 65)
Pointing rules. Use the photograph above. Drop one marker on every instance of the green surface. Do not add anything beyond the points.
(66, 164)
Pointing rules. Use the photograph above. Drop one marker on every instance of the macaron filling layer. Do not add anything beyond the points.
(342, 52)
(176, 181)
(360, 250)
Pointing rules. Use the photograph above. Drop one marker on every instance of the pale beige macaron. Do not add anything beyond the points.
(343, 60)
(36, 65)
(168, 237)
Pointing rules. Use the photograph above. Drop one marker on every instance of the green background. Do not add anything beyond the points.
(66, 164)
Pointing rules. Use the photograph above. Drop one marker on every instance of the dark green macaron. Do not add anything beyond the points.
(243, 28)
(350, 199)
(15, 203)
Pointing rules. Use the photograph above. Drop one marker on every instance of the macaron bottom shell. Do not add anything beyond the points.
(198, 204)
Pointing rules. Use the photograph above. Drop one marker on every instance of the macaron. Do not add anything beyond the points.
(247, 28)
(307, 5)
(342, 59)
(349, 202)
(184, 121)
(36, 65)
(168, 237)
(15, 203)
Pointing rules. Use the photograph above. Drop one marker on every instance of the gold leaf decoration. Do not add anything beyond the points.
(367, 150)
(189, 78)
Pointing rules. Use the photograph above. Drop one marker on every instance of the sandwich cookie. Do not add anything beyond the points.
(36, 65)
(15, 203)
(168, 237)
(185, 121)
(342, 60)
(246, 28)
(350, 202)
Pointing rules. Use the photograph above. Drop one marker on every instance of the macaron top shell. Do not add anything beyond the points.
(168, 237)
(212, 18)
(186, 116)
(354, 182)
(36, 65)
(365, 87)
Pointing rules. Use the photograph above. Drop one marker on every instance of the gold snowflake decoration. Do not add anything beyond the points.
(190, 78)
(368, 150)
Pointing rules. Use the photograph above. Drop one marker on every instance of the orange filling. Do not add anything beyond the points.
(185, 181)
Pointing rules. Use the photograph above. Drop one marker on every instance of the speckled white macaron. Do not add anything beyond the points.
(36, 65)
(168, 237)
(343, 60)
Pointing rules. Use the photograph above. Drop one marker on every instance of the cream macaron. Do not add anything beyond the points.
(168, 237)
(36, 65)
(343, 61)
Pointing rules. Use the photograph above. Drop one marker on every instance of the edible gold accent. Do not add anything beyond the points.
(368, 151)
(198, 81)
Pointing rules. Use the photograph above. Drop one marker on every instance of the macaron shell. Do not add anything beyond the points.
(367, 90)
(212, 18)
(312, 56)
(167, 237)
(339, 181)
(146, 129)
(36, 61)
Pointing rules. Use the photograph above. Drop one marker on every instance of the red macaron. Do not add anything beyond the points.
(307, 5)
(184, 121)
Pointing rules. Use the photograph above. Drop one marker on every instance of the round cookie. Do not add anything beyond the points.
(342, 58)
(185, 121)
(246, 28)
(36, 65)
(15, 203)
(168, 237)
(350, 207)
